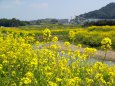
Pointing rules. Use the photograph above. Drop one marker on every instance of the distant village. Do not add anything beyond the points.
(76, 20)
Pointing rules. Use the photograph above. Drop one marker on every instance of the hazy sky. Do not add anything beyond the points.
(37, 9)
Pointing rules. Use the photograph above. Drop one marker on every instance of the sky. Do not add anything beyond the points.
(40, 9)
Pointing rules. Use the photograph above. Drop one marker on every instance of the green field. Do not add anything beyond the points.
(88, 36)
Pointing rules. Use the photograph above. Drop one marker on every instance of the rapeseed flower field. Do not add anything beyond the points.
(26, 61)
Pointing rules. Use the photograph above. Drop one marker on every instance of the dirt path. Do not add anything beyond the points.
(99, 54)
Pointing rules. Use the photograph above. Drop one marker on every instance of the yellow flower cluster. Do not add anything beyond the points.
(90, 51)
(106, 43)
(72, 35)
(47, 35)
(55, 39)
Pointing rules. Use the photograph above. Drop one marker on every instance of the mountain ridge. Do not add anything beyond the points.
(106, 12)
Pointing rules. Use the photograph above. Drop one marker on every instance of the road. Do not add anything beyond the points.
(99, 53)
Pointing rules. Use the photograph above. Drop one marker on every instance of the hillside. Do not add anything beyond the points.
(107, 12)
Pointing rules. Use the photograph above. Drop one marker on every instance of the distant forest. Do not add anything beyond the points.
(100, 23)
(12, 22)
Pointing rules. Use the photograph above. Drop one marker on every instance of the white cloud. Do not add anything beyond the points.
(39, 5)
(10, 4)
(17, 2)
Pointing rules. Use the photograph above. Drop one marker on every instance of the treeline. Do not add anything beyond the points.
(100, 23)
(12, 22)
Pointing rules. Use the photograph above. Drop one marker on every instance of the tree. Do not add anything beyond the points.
(12, 22)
